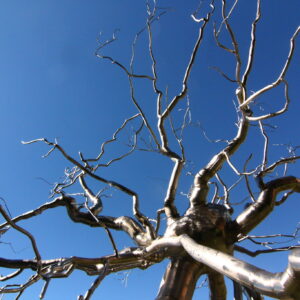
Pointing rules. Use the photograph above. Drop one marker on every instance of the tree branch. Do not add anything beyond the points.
(277, 285)
(162, 116)
(258, 211)
(140, 217)
(23, 231)
(201, 188)
(281, 75)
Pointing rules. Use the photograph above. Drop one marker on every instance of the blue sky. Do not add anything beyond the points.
(52, 85)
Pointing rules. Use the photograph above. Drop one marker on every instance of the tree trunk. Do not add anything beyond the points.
(180, 279)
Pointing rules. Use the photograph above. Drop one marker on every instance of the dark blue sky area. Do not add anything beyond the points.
(52, 85)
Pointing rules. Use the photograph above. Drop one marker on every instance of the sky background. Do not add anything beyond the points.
(52, 85)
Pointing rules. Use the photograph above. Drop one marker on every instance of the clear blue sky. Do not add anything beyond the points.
(52, 85)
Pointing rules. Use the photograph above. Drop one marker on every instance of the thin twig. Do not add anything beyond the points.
(263, 251)
(12, 275)
(276, 113)
(266, 144)
(278, 163)
(226, 193)
(252, 45)
(247, 179)
(105, 228)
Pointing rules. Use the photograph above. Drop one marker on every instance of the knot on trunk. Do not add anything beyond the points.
(206, 224)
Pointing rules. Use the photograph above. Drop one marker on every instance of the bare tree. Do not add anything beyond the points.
(200, 241)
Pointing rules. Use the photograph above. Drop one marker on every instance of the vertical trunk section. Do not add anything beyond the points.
(217, 286)
(180, 279)
(238, 291)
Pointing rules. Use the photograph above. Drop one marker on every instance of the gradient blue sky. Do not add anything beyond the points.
(52, 85)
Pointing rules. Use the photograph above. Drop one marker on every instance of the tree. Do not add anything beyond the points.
(200, 237)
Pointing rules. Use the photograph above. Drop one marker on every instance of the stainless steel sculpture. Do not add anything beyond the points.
(203, 239)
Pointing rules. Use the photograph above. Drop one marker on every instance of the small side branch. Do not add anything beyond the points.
(105, 228)
(281, 75)
(226, 192)
(113, 139)
(273, 166)
(236, 51)
(19, 288)
(95, 199)
(266, 144)
(113, 61)
(52, 204)
(162, 116)
(23, 231)
(252, 45)
(277, 113)
(12, 275)
(94, 286)
(262, 251)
